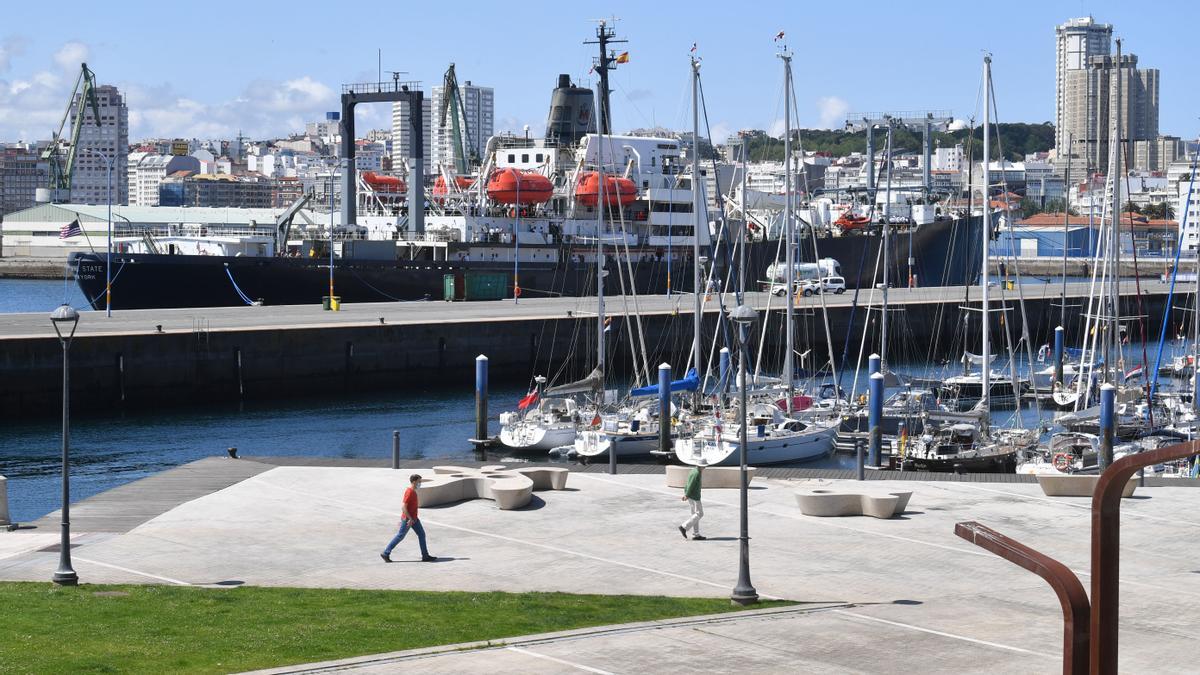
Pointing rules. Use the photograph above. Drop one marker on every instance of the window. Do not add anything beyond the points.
(539, 157)
(511, 158)
(524, 158)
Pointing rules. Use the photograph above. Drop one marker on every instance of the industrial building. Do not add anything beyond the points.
(216, 190)
(1044, 234)
(22, 172)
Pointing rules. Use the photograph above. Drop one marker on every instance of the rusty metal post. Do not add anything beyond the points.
(1106, 548)
(1075, 607)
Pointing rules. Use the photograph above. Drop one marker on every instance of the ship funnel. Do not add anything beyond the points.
(572, 113)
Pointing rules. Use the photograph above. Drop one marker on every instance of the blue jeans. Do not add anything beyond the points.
(405, 526)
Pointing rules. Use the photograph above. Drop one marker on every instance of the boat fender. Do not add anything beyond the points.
(1062, 461)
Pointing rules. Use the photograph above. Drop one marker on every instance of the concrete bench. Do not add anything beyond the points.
(829, 502)
(509, 488)
(4, 522)
(1075, 485)
(714, 476)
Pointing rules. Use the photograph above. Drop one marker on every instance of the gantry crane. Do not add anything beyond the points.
(61, 152)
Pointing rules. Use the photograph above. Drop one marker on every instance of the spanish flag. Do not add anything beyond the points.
(623, 58)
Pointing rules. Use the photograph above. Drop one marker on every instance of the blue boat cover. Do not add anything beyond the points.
(690, 382)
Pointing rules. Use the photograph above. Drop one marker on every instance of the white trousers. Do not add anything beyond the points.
(697, 513)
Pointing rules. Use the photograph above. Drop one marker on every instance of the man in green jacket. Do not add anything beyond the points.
(691, 493)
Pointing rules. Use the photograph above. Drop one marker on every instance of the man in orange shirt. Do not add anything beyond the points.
(409, 521)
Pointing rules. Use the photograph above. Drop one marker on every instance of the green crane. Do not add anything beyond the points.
(452, 103)
(61, 153)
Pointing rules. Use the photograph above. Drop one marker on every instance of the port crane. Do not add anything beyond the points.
(453, 105)
(61, 152)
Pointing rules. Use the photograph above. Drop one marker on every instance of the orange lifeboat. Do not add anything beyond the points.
(509, 186)
(617, 190)
(462, 182)
(850, 221)
(382, 183)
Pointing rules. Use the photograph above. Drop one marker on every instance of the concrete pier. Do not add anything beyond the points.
(898, 595)
(145, 358)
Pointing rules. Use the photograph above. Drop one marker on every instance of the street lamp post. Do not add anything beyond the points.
(743, 593)
(108, 258)
(65, 319)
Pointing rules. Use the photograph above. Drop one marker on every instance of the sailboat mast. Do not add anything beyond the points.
(887, 255)
(1062, 313)
(985, 320)
(745, 223)
(600, 258)
(1115, 171)
(789, 243)
(697, 221)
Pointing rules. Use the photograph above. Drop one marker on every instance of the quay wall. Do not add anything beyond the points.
(147, 370)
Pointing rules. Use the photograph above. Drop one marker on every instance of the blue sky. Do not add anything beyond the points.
(208, 69)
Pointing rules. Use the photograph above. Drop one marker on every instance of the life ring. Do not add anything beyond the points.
(1062, 461)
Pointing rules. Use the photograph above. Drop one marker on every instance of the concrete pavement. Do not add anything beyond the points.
(923, 599)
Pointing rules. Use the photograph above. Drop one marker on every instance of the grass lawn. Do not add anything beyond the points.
(93, 628)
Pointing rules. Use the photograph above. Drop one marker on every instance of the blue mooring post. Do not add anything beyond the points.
(1108, 395)
(724, 384)
(874, 364)
(481, 397)
(875, 419)
(1058, 355)
(858, 459)
(664, 408)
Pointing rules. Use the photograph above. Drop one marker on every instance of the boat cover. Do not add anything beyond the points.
(690, 382)
(593, 382)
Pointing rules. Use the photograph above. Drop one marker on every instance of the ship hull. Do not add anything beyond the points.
(944, 253)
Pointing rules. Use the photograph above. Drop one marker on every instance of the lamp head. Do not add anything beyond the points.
(64, 317)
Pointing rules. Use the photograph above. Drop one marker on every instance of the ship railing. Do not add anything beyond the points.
(381, 87)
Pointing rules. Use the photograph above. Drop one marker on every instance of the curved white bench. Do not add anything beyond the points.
(509, 488)
(714, 476)
(1074, 485)
(829, 502)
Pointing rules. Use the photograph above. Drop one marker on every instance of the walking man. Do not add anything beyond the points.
(691, 493)
(409, 521)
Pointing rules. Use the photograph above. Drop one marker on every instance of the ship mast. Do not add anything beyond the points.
(605, 35)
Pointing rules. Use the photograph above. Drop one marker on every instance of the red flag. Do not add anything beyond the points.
(779, 36)
(693, 47)
(528, 400)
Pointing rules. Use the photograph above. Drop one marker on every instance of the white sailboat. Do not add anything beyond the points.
(773, 435)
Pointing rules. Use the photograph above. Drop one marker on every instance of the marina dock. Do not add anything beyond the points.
(227, 354)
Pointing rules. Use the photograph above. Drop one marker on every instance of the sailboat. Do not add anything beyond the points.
(773, 434)
(968, 445)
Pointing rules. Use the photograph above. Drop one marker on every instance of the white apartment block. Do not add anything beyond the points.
(1187, 214)
(478, 110)
(1076, 42)
(147, 171)
(400, 135)
(90, 182)
(947, 159)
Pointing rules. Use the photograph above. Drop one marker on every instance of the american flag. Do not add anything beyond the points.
(71, 229)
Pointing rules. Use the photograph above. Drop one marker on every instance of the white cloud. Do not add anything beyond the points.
(777, 128)
(831, 111)
(70, 55)
(720, 132)
(958, 125)
(10, 47)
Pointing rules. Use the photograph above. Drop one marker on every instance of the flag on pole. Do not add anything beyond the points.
(623, 58)
(693, 49)
(779, 36)
(1136, 372)
(528, 400)
(71, 229)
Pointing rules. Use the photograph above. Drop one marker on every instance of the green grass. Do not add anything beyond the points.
(47, 629)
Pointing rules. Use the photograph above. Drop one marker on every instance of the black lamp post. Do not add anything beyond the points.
(65, 319)
(743, 593)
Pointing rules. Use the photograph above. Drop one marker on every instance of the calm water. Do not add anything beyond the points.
(38, 295)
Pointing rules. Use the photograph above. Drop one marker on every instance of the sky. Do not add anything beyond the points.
(211, 69)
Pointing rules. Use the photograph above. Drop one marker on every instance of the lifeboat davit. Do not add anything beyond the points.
(382, 183)
(509, 186)
(617, 190)
(461, 182)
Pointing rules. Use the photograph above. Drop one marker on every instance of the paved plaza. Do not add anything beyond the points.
(879, 595)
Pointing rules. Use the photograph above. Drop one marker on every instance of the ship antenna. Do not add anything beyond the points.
(606, 34)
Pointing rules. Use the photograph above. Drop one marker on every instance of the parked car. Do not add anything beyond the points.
(810, 287)
(835, 285)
